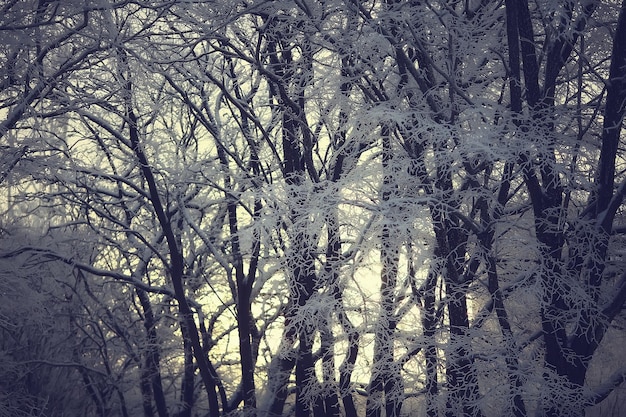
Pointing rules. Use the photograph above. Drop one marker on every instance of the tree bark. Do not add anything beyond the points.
(152, 355)
(176, 265)
(385, 387)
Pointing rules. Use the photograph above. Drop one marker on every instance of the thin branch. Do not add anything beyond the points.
(47, 253)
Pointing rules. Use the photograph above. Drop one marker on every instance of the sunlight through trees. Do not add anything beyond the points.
(312, 208)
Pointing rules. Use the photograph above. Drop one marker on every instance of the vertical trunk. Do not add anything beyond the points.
(244, 283)
(429, 324)
(330, 398)
(88, 382)
(460, 371)
(302, 287)
(146, 391)
(517, 407)
(301, 265)
(462, 381)
(278, 375)
(244, 288)
(489, 217)
(301, 259)
(427, 293)
(152, 355)
(451, 239)
(385, 379)
(521, 43)
(587, 337)
(327, 339)
(244, 322)
(345, 370)
(279, 371)
(176, 267)
(611, 129)
(381, 389)
(331, 270)
(305, 378)
(188, 382)
(567, 355)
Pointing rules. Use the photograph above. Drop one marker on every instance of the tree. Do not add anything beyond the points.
(564, 267)
(328, 208)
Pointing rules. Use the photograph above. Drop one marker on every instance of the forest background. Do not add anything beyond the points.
(312, 208)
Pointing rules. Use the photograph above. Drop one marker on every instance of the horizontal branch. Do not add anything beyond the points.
(62, 365)
(47, 253)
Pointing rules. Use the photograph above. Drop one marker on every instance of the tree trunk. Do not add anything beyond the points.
(460, 369)
(384, 381)
(176, 265)
(188, 381)
(152, 355)
(429, 325)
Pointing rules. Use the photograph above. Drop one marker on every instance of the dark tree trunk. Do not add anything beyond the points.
(429, 325)
(188, 381)
(152, 355)
(460, 371)
(176, 266)
(566, 355)
(385, 387)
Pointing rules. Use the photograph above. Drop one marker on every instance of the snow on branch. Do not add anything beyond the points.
(47, 253)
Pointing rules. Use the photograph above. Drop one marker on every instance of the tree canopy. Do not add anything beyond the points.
(312, 208)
